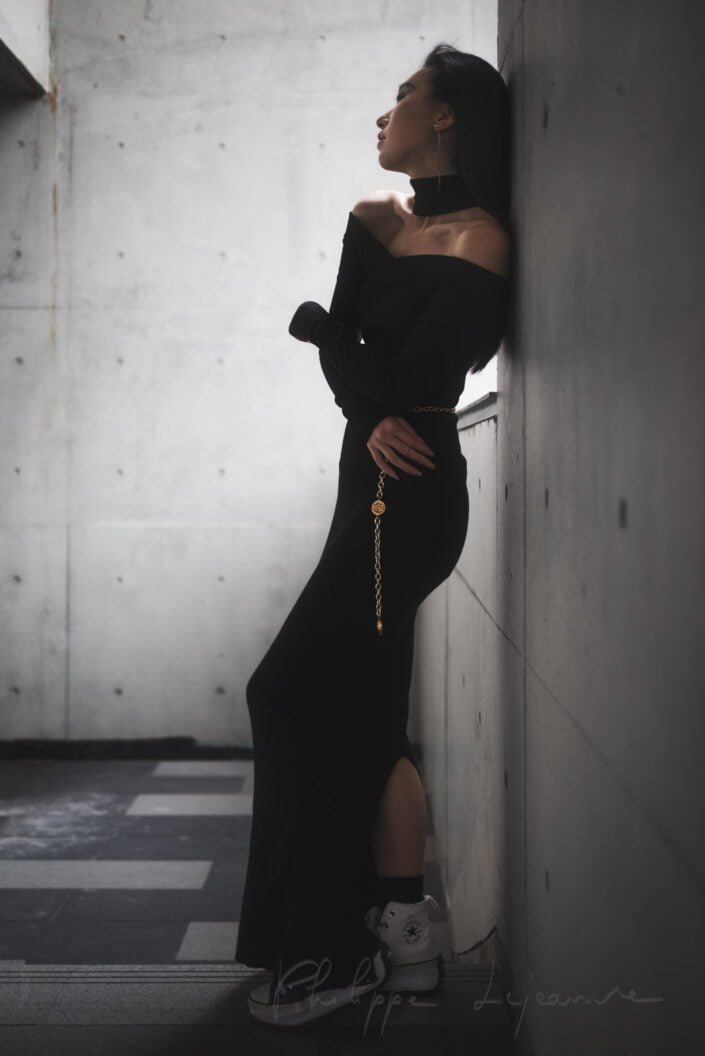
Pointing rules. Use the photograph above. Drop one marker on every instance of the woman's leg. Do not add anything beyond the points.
(399, 833)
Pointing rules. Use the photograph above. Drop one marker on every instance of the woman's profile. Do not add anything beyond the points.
(333, 901)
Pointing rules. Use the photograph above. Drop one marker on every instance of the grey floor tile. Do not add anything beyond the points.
(142, 874)
(204, 768)
(81, 967)
(209, 941)
(190, 804)
(391, 1040)
(92, 942)
(38, 906)
(119, 1040)
(216, 903)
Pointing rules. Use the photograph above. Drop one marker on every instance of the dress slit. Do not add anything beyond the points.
(329, 705)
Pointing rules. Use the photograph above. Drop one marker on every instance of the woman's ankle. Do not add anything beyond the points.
(399, 889)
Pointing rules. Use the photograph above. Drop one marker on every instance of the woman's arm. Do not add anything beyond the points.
(345, 307)
(460, 327)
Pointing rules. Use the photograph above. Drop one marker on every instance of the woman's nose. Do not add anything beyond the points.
(382, 121)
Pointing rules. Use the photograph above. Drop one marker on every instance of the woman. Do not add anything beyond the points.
(333, 899)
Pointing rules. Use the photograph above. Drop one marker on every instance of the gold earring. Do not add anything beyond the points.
(439, 158)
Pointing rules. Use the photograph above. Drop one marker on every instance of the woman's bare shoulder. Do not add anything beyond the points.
(381, 211)
(487, 243)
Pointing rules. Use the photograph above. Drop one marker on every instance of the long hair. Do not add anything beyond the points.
(479, 100)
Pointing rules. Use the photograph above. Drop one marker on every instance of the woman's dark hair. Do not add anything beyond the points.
(479, 99)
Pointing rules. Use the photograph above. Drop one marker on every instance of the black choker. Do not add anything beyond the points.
(453, 195)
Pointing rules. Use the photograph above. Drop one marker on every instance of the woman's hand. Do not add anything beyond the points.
(391, 438)
(304, 319)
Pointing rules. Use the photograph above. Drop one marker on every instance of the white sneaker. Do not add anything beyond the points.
(417, 961)
(312, 994)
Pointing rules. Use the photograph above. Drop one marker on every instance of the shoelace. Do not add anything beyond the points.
(329, 982)
(381, 923)
(279, 988)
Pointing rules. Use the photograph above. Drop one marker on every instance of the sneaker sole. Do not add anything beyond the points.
(423, 977)
(312, 1007)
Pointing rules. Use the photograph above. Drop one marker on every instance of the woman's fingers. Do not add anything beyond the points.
(414, 449)
(379, 458)
(395, 458)
(380, 461)
(400, 429)
(407, 432)
(394, 437)
(407, 441)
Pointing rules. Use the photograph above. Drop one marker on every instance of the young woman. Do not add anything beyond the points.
(333, 900)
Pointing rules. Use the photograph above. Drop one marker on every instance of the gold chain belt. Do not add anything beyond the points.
(378, 507)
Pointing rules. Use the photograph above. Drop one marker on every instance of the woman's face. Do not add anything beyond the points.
(409, 142)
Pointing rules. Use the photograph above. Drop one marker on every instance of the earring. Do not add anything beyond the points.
(439, 159)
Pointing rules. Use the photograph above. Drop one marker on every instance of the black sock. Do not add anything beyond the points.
(399, 889)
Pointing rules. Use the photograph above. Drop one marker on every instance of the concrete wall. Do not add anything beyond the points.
(24, 43)
(168, 452)
(573, 715)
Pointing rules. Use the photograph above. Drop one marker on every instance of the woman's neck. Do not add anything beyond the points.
(452, 196)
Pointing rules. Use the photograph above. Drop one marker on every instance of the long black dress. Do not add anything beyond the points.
(328, 702)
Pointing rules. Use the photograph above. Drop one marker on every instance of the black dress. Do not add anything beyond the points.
(328, 702)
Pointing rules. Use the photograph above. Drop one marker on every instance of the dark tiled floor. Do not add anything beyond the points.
(98, 967)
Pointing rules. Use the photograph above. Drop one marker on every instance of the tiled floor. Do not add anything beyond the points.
(120, 883)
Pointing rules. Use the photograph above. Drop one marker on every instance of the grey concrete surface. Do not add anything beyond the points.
(141, 966)
(25, 67)
(168, 453)
(560, 685)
